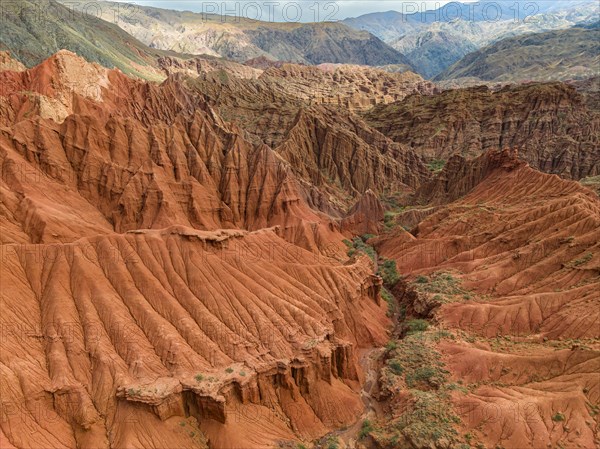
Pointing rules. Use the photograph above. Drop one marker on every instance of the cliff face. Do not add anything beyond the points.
(554, 125)
(352, 87)
(339, 153)
(366, 215)
(459, 176)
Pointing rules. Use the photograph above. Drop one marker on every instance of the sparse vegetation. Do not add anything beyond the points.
(358, 245)
(582, 261)
(396, 367)
(242, 373)
(430, 416)
(453, 386)
(558, 417)
(332, 443)
(443, 285)
(592, 182)
(440, 282)
(365, 429)
(414, 326)
(424, 374)
(389, 273)
(390, 300)
(436, 165)
(389, 217)
(199, 377)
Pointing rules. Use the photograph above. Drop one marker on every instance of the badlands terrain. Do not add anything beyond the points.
(294, 248)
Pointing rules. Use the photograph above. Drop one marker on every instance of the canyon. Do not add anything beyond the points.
(305, 246)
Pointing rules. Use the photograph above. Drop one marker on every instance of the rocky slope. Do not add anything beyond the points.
(508, 276)
(243, 39)
(574, 54)
(136, 155)
(179, 337)
(554, 125)
(299, 112)
(164, 280)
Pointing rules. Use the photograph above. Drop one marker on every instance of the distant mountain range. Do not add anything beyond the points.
(34, 30)
(558, 43)
(244, 39)
(136, 44)
(553, 55)
(435, 40)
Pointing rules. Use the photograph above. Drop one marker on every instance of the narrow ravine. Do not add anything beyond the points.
(369, 360)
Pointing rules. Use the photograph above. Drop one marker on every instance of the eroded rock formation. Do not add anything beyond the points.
(510, 274)
(554, 125)
(114, 340)
(131, 317)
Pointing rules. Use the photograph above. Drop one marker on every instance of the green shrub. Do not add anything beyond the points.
(585, 259)
(365, 429)
(229, 370)
(422, 374)
(389, 273)
(388, 217)
(558, 417)
(440, 282)
(396, 367)
(359, 245)
(415, 326)
(391, 301)
(332, 443)
(436, 165)
(199, 377)
(391, 345)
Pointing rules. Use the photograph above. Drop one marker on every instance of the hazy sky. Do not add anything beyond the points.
(297, 10)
